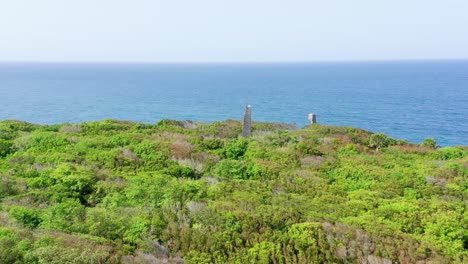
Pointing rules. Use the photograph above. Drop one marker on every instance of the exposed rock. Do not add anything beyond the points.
(128, 154)
(440, 182)
(70, 129)
(371, 259)
(311, 161)
(193, 206)
(144, 258)
(326, 141)
(210, 180)
(341, 252)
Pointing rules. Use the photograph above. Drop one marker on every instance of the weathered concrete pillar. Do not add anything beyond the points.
(312, 118)
(247, 128)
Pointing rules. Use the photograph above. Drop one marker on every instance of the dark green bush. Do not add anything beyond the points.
(27, 216)
(231, 169)
(448, 153)
(430, 143)
(378, 141)
(349, 150)
(5, 148)
(309, 147)
(9, 252)
(235, 149)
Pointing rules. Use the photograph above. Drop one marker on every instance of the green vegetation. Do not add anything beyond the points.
(125, 192)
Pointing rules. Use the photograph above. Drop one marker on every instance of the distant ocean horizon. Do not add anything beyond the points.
(410, 100)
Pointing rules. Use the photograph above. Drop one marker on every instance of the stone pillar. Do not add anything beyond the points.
(247, 128)
(312, 118)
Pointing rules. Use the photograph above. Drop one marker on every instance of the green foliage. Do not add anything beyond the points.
(66, 181)
(121, 140)
(15, 125)
(309, 147)
(5, 148)
(449, 153)
(264, 252)
(105, 223)
(105, 126)
(60, 248)
(136, 231)
(121, 192)
(233, 169)
(256, 171)
(28, 217)
(7, 187)
(378, 141)
(348, 150)
(235, 149)
(212, 143)
(280, 138)
(10, 246)
(308, 240)
(66, 216)
(47, 141)
(430, 143)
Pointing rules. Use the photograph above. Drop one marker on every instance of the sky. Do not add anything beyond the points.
(232, 30)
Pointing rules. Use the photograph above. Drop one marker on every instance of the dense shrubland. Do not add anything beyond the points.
(174, 192)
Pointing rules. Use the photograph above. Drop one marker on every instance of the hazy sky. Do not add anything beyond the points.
(232, 30)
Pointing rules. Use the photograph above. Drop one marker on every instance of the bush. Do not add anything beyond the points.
(121, 140)
(67, 216)
(66, 181)
(28, 217)
(212, 143)
(105, 223)
(55, 248)
(309, 147)
(7, 187)
(450, 153)
(15, 125)
(236, 148)
(9, 252)
(47, 141)
(5, 148)
(430, 143)
(256, 170)
(378, 141)
(175, 170)
(280, 138)
(230, 168)
(348, 150)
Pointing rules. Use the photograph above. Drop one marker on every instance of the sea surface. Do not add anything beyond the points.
(410, 100)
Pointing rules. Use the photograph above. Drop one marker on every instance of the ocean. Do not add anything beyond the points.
(410, 100)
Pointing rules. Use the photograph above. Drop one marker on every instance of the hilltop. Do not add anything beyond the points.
(180, 191)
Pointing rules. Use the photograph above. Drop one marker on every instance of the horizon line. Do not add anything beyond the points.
(234, 62)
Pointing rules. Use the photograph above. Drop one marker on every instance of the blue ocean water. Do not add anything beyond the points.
(406, 100)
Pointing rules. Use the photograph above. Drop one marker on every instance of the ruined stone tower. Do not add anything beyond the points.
(247, 128)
